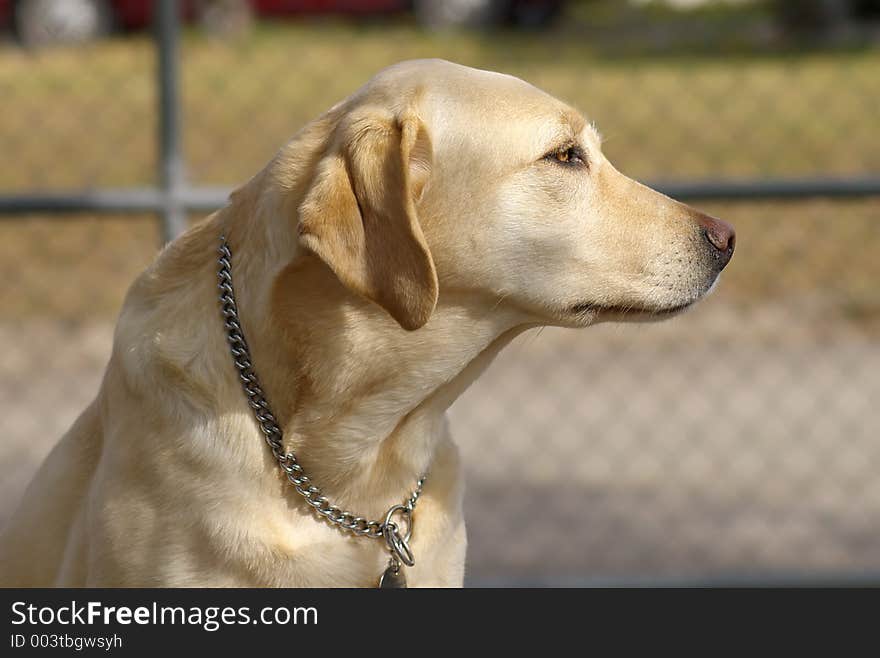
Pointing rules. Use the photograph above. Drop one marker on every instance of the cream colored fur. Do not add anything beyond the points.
(380, 260)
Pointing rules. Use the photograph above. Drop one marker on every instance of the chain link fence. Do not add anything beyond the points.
(740, 442)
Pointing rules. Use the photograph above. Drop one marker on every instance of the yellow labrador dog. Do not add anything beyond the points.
(369, 274)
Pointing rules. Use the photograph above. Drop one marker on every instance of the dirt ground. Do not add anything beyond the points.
(710, 446)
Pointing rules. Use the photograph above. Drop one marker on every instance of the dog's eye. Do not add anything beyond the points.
(569, 155)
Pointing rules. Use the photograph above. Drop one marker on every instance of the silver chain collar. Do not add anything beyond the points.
(397, 543)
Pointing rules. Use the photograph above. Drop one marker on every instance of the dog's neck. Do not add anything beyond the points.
(351, 387)
(359, 398)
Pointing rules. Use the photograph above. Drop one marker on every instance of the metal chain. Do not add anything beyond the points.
(360, 526)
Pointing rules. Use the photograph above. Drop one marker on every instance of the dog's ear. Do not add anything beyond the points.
(359, 214)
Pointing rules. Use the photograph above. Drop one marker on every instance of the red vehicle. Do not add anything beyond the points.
(43, 22)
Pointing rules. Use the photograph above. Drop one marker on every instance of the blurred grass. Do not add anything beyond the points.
(84, 118)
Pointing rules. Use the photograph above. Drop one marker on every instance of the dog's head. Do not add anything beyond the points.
(440, 177)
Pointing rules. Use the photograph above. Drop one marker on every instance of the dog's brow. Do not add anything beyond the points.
(574, 121)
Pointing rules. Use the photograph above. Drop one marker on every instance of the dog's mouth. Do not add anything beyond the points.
(588, 308)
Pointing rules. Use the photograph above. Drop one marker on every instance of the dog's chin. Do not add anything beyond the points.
(587, 313)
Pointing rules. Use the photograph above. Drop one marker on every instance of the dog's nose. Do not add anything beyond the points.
(720, 235)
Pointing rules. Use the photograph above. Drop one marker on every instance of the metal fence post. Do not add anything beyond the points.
(171, 174)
